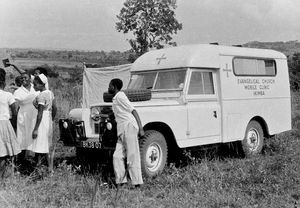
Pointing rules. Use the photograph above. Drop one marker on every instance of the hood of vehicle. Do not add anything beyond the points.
(157, 102)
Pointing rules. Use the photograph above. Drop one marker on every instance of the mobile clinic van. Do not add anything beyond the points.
(200, 94)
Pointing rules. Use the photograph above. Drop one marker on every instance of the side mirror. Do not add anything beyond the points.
(6, 62)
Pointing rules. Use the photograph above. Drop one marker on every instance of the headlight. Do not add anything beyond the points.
(108, 125)
(95, 117)
(65, 124)
(95, 114)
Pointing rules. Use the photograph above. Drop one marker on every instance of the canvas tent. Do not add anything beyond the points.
(96, 80)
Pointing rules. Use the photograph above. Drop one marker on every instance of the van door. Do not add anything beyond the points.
(203, 106)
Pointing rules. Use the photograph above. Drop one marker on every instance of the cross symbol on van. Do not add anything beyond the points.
(161, 58)
(227, 70)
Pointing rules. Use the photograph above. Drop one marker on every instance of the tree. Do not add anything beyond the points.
(294, 69)
(152, 23)
(294, 62)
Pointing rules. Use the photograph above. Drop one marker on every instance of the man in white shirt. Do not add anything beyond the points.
(129, 126)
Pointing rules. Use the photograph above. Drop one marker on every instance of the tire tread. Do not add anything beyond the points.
(142, 143)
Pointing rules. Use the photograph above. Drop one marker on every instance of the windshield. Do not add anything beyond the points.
(164, 80)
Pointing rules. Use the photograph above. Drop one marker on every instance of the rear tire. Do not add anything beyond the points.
(154, 153)
(254, 139)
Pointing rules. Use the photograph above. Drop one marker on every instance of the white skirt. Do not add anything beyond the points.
(42, 143)
(25, 124)
(9, 145)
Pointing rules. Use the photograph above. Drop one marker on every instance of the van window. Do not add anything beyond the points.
(254, 67)
(142, 81)
(201, 83)
(170, 79)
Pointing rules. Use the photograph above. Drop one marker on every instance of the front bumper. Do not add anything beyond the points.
(72, 133)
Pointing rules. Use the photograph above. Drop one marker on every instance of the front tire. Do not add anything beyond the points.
(154, 153)
(254, 139)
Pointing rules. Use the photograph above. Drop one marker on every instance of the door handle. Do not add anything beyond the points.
(215, 114)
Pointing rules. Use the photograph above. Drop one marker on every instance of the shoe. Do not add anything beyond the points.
(135, 187)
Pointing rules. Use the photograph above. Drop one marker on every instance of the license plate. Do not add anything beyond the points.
(91, 144)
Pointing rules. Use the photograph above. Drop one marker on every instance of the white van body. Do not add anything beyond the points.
(223, 116)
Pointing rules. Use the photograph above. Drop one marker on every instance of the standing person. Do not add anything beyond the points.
(26, 118)
(37, 71)
(26, 115)
(45, 105)
(129, 126)
(9, 145)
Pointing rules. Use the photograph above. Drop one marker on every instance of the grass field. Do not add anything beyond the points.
(215, 181)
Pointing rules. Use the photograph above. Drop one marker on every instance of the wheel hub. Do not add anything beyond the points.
(153, 157)
(253, 139)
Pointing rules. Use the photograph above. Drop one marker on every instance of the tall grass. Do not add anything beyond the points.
(67, 96)
(269, 180)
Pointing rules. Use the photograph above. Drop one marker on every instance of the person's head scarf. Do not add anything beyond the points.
(44, 79)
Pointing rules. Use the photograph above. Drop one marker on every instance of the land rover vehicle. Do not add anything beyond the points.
(201, 94)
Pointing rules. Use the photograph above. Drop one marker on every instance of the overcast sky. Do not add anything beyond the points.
(90, 24)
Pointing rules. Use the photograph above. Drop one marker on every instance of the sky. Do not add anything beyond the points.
(90, 24)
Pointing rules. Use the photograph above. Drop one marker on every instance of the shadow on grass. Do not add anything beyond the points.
(88, 162)
(93, 162)
(213, 152)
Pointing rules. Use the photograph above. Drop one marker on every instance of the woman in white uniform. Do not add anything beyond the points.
(45, 105)
(9, 145)
(25, 95)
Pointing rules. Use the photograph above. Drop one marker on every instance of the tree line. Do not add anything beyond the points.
(100, 57)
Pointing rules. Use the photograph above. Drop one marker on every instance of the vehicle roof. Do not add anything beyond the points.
(200, 55)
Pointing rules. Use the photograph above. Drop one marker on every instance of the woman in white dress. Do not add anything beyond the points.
(27, 113)
(45, 105)
(9, 145)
